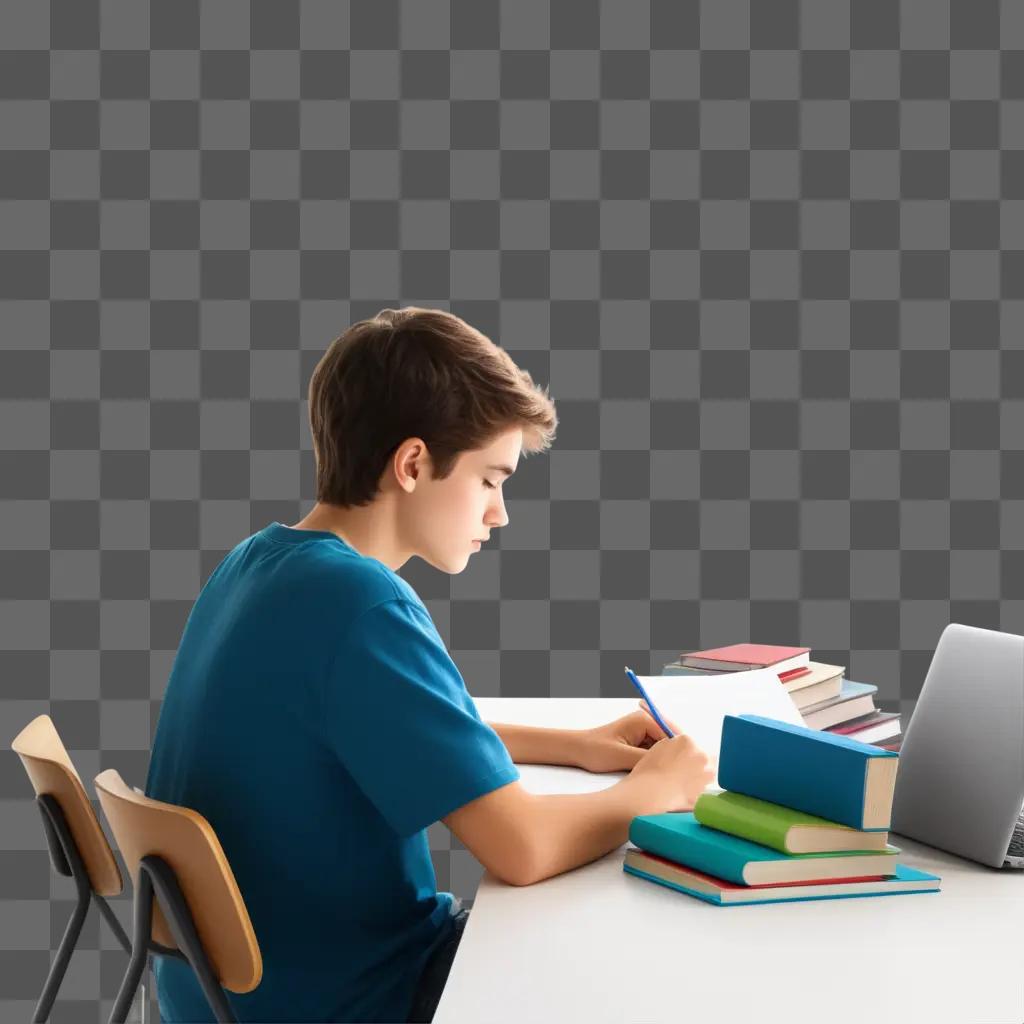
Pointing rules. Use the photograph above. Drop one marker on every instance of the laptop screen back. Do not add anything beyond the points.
(960, 783)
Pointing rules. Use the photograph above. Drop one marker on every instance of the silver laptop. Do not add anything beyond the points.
(960, 782)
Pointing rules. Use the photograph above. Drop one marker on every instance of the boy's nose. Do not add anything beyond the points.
(498, 518)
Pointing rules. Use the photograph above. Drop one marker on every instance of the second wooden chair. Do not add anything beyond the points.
(187, 902)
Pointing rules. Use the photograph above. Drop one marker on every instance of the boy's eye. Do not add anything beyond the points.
(487, 483)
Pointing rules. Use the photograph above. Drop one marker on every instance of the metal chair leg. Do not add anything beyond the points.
(179, 918)
(60, 962)
(67, 861)
(141, 931)
(113, 923)
(158, 881)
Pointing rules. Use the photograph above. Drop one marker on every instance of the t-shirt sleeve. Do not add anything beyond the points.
(399, 718)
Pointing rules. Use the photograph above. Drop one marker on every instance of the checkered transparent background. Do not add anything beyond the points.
(769, 256)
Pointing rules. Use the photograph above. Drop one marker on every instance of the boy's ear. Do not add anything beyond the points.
(409, 462)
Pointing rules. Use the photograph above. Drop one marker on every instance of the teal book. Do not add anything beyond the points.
(681, 838)
(826, 774)
(721, 893)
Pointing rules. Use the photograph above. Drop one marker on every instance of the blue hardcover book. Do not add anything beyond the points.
(847, 691)
(723, 894)
(823, 773)
(681, 838)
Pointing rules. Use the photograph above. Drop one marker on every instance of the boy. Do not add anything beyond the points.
(314, 716)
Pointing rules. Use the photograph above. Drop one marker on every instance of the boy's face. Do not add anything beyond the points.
(444, 519)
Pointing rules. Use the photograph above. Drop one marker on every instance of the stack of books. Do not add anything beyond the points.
(804, 816)
(824, 698)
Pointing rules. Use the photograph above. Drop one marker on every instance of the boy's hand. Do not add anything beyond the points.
(619, 745)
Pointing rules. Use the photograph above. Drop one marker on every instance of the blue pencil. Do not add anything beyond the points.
(631, 675)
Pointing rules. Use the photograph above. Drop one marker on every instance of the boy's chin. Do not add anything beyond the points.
(452, 566)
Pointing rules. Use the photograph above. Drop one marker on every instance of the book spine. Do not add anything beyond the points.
(706, 857)
(754, 895)
(801, 772)
(725, 817)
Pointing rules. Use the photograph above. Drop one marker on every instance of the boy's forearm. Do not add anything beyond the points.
(572, 829)
(532, 744)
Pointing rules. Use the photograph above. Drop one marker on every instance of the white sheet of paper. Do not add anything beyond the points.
(553, 778)
(697, 704)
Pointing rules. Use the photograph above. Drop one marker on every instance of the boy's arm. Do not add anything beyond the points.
(523, 837)
(533, 744)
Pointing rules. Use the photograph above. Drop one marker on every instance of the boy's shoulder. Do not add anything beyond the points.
(364, 582)
(383, 584)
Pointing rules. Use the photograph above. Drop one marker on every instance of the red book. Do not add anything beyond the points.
(794, 673)
(742, 657)
(725, 884)
(852, 727)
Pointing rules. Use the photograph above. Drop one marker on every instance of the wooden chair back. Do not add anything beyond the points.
(187, 842)
(51, 772)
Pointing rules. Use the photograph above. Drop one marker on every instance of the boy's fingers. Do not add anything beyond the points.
(634, 755)
(652, 724)
(647, 710)
(672, 725)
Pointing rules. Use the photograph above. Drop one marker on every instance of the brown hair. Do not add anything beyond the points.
(415, 372)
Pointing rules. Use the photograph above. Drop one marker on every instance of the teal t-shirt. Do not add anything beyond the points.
(315, 718)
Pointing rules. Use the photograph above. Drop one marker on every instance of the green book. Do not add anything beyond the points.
(782, 828)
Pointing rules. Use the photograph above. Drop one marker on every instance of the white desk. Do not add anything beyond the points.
(595, 944)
